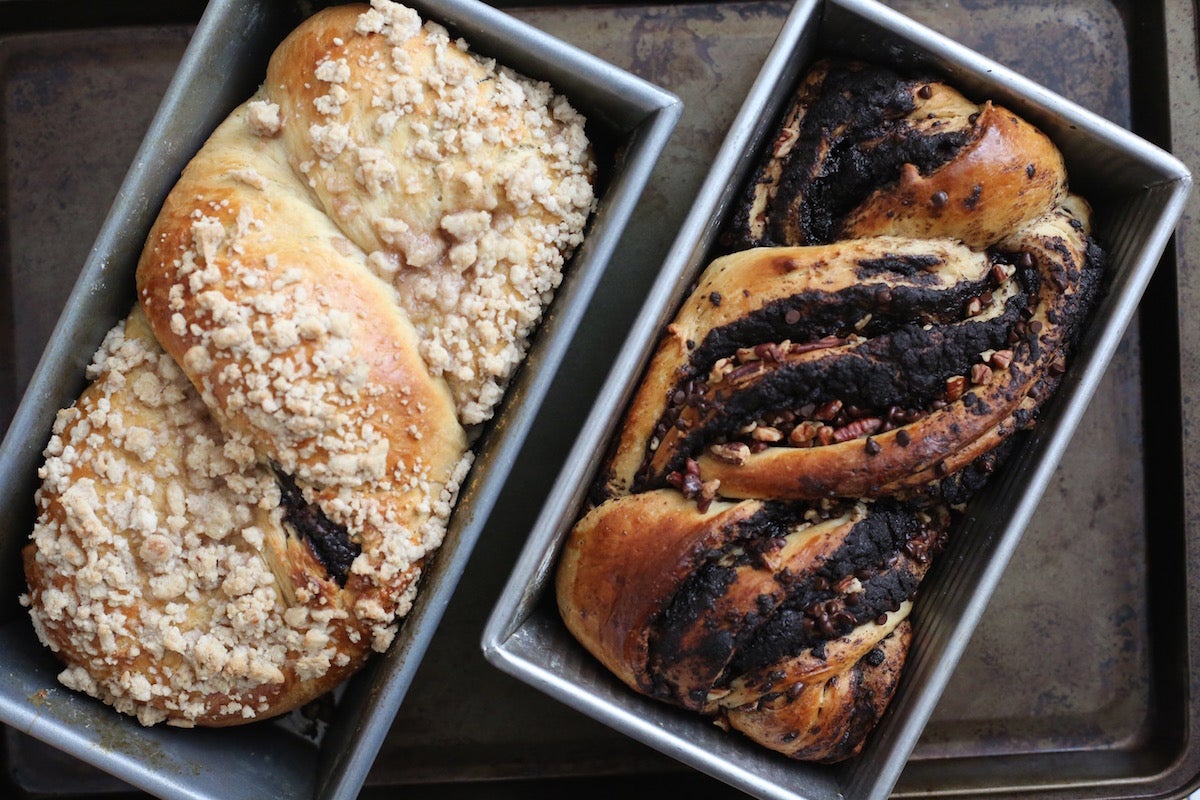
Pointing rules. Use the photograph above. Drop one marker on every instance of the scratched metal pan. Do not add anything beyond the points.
(1138, 192)
(1108, 711)
(629, 121)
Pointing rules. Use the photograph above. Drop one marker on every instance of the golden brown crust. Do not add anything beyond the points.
(761, 618)
(339, 287)
(865, 152)
(897, 295)
(612, 614)
(1006, 178)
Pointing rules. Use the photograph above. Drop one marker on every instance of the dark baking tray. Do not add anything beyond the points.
(1078, 683)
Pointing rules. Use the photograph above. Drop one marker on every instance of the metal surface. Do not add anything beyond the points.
(1138, 193)
(1078, 676)
(629, 122)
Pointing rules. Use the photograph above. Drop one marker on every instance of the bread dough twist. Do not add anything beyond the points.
(902, 283)
(238, 509)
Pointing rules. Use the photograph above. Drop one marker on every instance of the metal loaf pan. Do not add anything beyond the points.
(329, 757)
(1138, 193)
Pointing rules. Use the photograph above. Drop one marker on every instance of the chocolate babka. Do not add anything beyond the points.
(894, 298)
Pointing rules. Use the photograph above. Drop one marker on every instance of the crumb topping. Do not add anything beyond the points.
(154, 542)
(468, 184)
(264, 118)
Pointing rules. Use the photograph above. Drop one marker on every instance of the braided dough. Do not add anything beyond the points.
(899, 290)
(237, 510)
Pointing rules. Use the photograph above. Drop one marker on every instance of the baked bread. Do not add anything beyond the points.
(237, 510)
(897, 293)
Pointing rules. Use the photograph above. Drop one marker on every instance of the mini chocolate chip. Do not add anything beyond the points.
(872, 447)
(939, 199)
(925, 92)
(902, 438)
(715, 298)
(973, 198)
(1030, 170)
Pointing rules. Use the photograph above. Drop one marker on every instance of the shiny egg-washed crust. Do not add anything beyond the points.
(334, 296)
(894, 297)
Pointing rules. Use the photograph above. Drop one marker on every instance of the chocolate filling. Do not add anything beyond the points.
(329, 541)
(852, 139)
(910, 266)
(879, 552)
(906, 368)
(817, 314)
(761, 533)
(885, 553)
(959, 487)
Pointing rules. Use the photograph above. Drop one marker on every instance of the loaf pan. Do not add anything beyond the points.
(326, 754)
(1138, 193)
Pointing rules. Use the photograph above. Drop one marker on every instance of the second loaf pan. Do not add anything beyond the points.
(1138, 193)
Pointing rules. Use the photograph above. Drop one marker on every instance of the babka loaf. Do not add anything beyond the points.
(237, 511)
(894, 298)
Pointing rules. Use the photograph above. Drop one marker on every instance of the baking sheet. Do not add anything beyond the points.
(1076, 683)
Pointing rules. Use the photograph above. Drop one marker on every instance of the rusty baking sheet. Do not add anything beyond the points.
(1077, 682)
